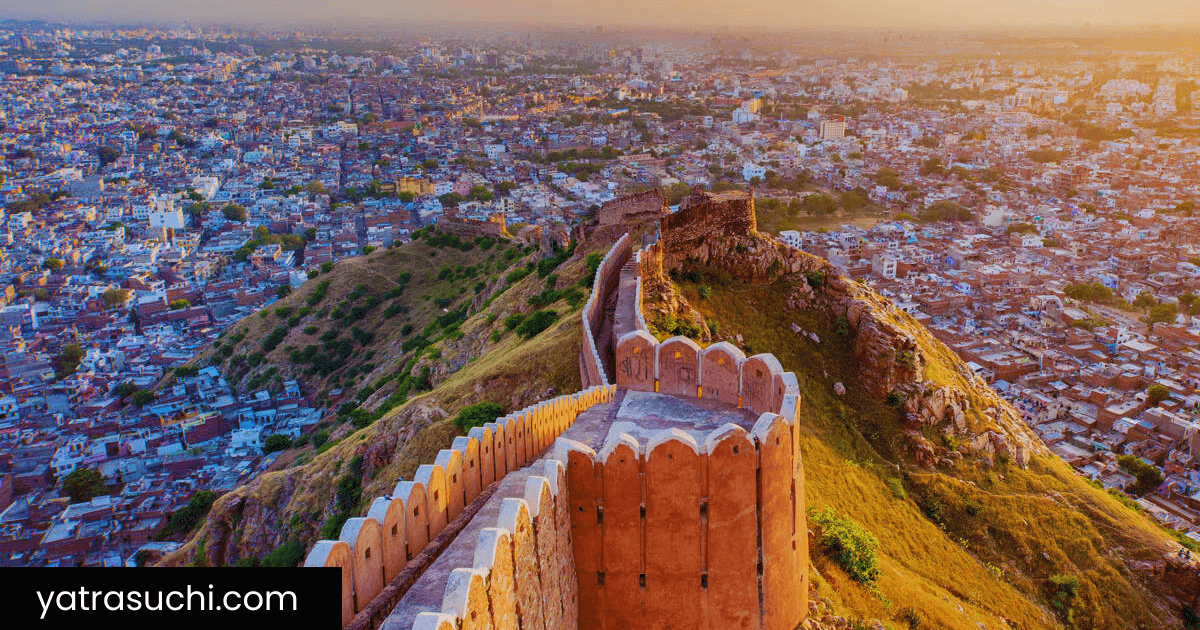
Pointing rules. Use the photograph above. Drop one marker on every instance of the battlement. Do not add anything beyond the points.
(672, 530)
(375, 549)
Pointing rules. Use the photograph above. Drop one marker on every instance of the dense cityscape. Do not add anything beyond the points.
(1034, 206)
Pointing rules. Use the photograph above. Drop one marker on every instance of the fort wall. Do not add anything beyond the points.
(522, 575)
(591, 368)
(648, 205)
(374, 550)
(674, 528)
(470, 229)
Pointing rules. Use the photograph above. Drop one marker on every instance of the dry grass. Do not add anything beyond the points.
(997, 535)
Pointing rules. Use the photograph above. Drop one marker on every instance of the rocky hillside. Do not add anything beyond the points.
(396, 343)
(978, 525)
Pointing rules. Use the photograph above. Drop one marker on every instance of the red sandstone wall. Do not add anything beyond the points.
(523, 576)
(373, 550)
(679, 367)
(671, 533)
(591, 368)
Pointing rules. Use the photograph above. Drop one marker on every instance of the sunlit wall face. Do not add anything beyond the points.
(682, 13)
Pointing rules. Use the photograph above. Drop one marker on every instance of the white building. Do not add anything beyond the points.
(833, 128)
(164, 214)
(751, 170)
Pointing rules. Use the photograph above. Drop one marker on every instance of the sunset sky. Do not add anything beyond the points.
(684, 13)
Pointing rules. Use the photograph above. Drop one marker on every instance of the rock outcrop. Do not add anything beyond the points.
(716, 234)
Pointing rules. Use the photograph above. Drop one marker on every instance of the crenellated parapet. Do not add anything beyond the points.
(522, 574)
(591, 366)
(678, 366)
(664, 529)
(375, 549)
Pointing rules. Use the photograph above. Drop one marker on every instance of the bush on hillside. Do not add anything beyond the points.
(852, 546)
(536, 323)
(477, 415)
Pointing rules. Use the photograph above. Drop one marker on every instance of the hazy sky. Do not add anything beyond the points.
(684, 13)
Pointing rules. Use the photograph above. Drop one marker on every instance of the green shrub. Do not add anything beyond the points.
(289, 554)
(1063, 594)
(815, 279)
(186, 518)
(515, 276)
(852, 546)
(592, 261)
(514, 320)
(276, 442)
(477, 415)
(536, 322)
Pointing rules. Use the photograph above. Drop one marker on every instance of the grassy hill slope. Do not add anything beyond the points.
(978, 540)
(459, 332)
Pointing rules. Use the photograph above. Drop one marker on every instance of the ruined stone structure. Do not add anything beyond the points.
(650, 205)
(467, 229)
(667, 494)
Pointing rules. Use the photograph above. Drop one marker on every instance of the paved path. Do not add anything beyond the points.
(625, 314)
(640, 414)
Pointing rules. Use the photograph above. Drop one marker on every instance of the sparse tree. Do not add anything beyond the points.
(82, 484)
(1156, 394)
(234, 212)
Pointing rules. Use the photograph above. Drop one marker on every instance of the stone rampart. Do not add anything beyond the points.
(372, 551)
(649, 205)
(677, 532)
(608, 275)
(522, 575)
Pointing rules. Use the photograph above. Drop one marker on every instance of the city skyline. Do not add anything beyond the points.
(773, 14)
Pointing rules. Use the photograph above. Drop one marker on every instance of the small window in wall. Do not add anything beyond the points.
(759, 373)
(395, 530)
(367, 553)
(416, 510)
(678, 354)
